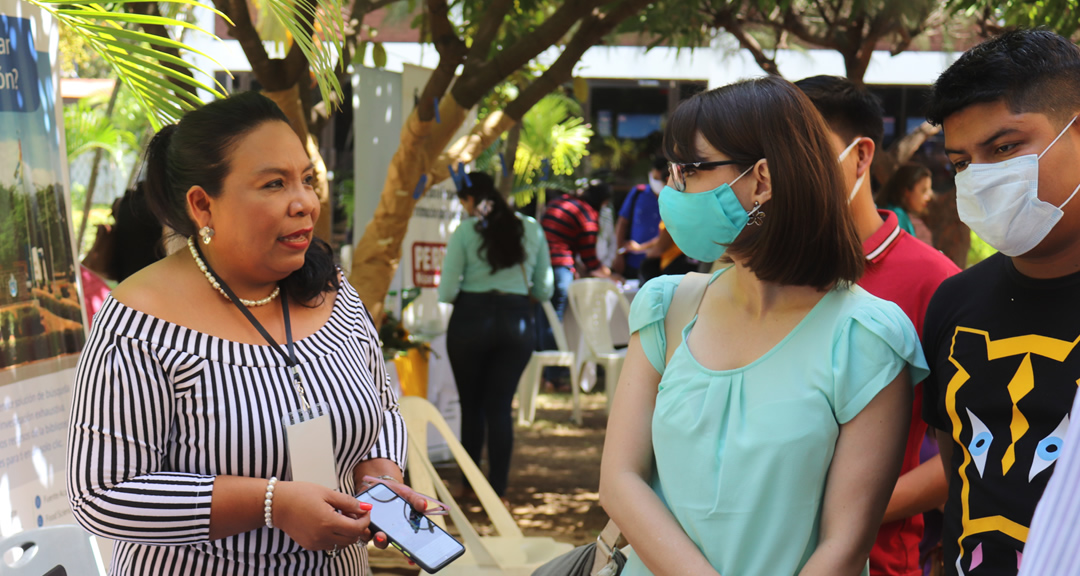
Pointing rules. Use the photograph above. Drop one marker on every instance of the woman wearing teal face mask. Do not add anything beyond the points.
(769, 441)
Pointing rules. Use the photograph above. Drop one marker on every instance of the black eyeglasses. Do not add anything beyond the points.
(679, 172)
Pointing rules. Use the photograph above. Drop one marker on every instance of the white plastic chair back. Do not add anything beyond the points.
(556, 326)
(65, 549)
(590, 302)
(510, 553)
(418, 414)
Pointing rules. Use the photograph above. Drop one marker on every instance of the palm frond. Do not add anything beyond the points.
(322, 44)
(136, 56)
(524, 192)
(86, 128)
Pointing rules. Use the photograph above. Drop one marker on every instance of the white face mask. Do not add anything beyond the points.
(656, 185)
(859, 180)
(1000, 202)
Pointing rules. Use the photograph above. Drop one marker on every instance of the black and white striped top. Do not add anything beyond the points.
(159, 410)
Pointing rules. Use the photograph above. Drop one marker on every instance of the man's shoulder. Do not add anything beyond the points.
(927, 260)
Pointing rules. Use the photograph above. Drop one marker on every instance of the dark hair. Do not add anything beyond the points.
(905, 178)
(136, 235)
(195, 152)
(660, 164)
(1031, 70)
(502, 234)
(849, 110)
(808, 237)
(596, 193)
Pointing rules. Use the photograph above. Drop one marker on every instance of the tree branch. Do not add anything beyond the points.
(591, 31)
(443, 34)
(825, 17)
(485, 34)
(244, 31)
(151, 9)
(452, 52)
(730, 22)
(469, 91)
(296, 63)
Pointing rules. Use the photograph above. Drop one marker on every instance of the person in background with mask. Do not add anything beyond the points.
(1003, 337)
(900, 269)
(769, 441)
(638, 226)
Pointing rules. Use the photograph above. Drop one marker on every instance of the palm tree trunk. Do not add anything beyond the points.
(94, 166)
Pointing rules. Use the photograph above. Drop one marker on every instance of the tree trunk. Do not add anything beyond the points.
(469, 147)
(378, 251)
(94, 167)
(506, 182)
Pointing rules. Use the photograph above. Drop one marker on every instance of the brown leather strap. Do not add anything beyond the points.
(610, 538)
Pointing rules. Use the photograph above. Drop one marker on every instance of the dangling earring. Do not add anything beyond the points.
(755, 215)
(206, 233)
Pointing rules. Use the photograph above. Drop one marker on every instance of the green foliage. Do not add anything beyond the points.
(78, 59)
(979, 251)
(322, 45)
(554, 137)
(86, 128)
(136, 57)
(139, 59)
(13, 221)
(1061, 16)
(615, 155)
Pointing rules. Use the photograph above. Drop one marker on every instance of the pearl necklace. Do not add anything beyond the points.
(217, 286)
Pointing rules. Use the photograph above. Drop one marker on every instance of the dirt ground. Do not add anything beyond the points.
(554, 479)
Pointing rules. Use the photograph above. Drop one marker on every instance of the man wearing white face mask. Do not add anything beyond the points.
(903, 270)
(1003, 338)
(638, 225)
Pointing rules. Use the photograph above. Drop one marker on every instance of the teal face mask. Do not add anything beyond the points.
(704, 224)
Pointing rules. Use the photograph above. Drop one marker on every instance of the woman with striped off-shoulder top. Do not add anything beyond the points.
(178, 444)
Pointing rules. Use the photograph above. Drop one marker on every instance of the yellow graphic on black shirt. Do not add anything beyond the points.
(1020, 385)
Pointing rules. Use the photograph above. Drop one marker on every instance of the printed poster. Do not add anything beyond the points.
(41, 317)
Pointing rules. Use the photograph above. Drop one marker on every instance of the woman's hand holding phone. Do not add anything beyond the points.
(318, 518)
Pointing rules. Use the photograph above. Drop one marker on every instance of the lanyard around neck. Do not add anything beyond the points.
(290, 357)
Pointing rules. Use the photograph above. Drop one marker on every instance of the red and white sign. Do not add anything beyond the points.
(427, 259)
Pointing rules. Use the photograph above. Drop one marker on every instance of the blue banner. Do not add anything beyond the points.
(18, 66)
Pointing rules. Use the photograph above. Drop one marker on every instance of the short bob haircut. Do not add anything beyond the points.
(808, 237)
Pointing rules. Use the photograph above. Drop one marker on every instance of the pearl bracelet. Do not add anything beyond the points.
(268, 504)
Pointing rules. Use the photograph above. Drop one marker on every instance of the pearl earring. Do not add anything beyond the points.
(206, 233)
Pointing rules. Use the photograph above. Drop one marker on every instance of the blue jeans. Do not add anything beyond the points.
(560, 300)
(490, 340)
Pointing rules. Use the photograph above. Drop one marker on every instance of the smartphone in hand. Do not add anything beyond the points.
(420, 539)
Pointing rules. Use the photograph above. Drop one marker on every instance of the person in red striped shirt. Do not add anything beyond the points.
(571, 224)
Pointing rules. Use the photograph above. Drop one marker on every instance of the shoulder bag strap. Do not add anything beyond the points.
(684, 305)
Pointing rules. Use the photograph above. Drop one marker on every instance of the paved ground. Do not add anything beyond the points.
(553, 482)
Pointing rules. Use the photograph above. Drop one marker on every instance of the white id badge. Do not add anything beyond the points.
(311, 446)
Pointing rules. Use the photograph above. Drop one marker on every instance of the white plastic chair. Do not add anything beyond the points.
(510, 553)
(529, 384)
(589, 303)
(64, 549)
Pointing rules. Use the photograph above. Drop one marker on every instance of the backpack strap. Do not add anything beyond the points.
(684, 305)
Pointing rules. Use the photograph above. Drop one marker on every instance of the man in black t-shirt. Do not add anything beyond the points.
(1003, 338)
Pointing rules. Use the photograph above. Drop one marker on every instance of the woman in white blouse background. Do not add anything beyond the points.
(178, 446)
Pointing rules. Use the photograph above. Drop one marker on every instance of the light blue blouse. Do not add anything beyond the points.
(742, 455)
(465, 269)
